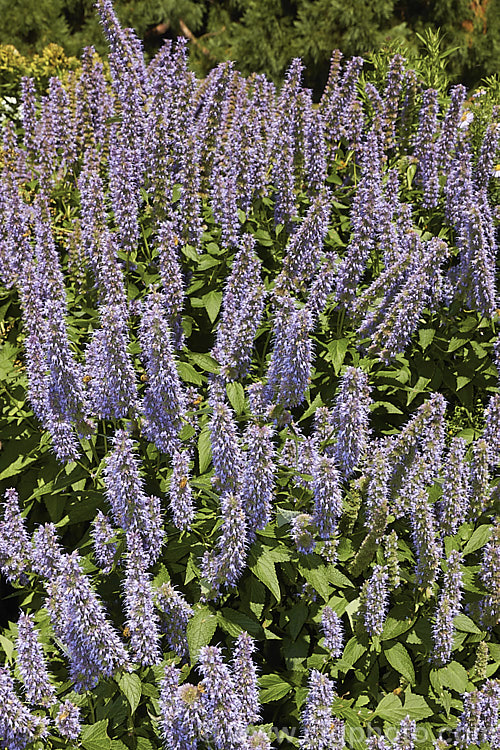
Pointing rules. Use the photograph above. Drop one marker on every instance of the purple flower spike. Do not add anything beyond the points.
(242, 310)
(327, 496)
(226, 452)
(375, 600)
(222, 567)
(165, 402)
(175, 615)
(245, 678)
(183, 718)
(103, 535)
(32, 665)
(351, 419)
(112, 390)
(301, 533)
(257, 484)
(331, 624)
(454, 505)
(15, 551)
(225, 719)
(141, 618)
(18, 727)
(68, 720)
(79, 620)
(406, 738)
(320, 729)
(448, 608)
(132, 509)
(180, 492)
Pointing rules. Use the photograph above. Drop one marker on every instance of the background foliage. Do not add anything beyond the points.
(264, 35)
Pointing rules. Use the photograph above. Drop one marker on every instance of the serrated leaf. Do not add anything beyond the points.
(337, 350)
(453, 676)
(390, 709)
(465, 624)
(236, 396)
(352, 652)
(297, 617)
(205, 361)
(416, 707)
(212, 302)
(7, 646)
(200, 630)
(263, 569)
(130, 685)
(188, 373)
(234, 622)
(478, 539)
(317, 577)
(204, 450)
(425, 337)
(397, 622)
(95, 736)
(273, 688)
(400, 660)
(144, 744)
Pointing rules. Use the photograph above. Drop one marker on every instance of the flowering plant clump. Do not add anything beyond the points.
(250, 409)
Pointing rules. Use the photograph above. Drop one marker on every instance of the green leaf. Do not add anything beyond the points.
(390, 709)
(212, 302)
(397, 622)
(263, 569)
(144, 744)
(188, 373)
(478, 539)
(17, 466)
(465, 624)
(200, 630)
(272, 688)
(337, 350)
(204, 450)
(425, 337)
(130, 685)
(236, 396)
(416, 707)
(297, 617)
(400, 660)
(352, 652)
(95, 736)
(7, 646)
(205, 361)
(453, 676)
(235, 622)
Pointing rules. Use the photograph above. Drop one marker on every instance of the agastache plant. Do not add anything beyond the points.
(15, 548)
(164, 403)
(175, 613)
(131, 508)
(453, 507)
(320, 729)
(350, 418)
(223, 566)
(331, 624)
(448, 608)
(18, 726)
(142, 621)
(242, 311)
(374, 601)
(258, 476)
(32, 665)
